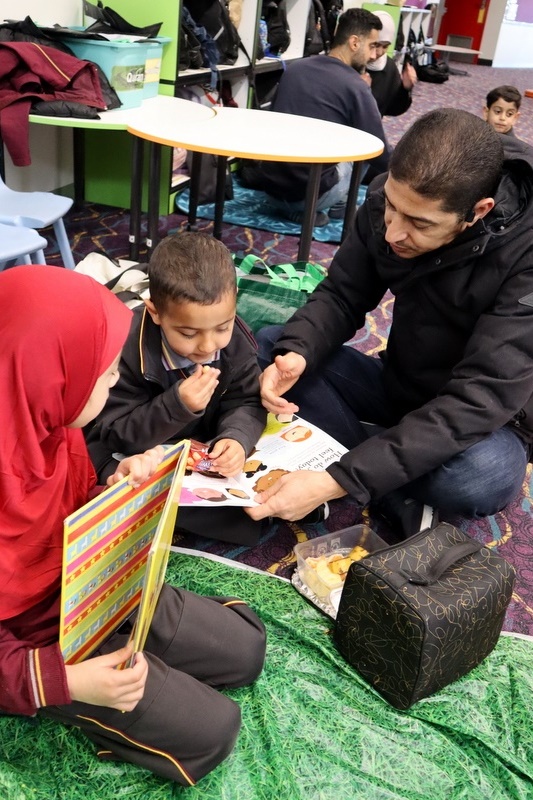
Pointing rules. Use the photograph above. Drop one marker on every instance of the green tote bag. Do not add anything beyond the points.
(270, 295)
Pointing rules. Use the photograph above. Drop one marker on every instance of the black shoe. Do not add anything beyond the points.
(321, 218)
(405, 515)
(318, 514)
(337, 211)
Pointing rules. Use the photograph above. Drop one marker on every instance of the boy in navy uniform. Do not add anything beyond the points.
(189, 366)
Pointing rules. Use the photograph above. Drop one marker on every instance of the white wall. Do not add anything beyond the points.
(491, 32)
(50, 147)
(44, 12)
(514, 46)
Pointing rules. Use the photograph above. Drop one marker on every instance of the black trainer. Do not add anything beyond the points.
(405, 515)
(321, 218)
(318, 514)
(338, 211)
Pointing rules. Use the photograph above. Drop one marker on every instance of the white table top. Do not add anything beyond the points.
(450, 48)
(119, 118)
(249, 133)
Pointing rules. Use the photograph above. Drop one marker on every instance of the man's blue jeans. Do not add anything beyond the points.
(349, 389)
(337, 194)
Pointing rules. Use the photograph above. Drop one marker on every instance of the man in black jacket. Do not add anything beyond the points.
(449, 232)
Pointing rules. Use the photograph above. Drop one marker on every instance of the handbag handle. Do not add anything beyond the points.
(286, 275)
(251, 262)
(451, 556)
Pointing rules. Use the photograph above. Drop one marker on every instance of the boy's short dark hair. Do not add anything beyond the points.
(355, 22)
(449, 155)
(508, 93)
(192, 268)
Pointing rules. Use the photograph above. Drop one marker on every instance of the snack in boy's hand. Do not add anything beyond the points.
(199, 460)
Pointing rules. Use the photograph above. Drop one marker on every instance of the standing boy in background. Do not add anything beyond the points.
(502, 110)
(502, 113)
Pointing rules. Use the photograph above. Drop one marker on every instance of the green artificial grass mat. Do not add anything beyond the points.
(312, 729)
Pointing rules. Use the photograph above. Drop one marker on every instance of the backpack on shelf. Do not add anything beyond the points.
(214, 16)
(274, 14)
(192, 55)
(317, 38)
(332, 9)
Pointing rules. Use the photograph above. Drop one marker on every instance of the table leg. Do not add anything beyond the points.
(154, 180)
(311, 197)
(351, 200)
(78, 155)
(194, 190)
(220, 195)
(136, 197)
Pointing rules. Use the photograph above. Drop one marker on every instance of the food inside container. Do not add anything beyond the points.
(323, 563)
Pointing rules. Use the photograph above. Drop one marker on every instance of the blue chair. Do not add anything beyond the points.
(37, 210)
(19, 244)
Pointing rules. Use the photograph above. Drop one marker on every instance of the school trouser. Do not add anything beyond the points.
(183, 727)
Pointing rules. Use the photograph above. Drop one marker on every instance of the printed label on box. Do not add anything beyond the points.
(127, 78)
(152, 70)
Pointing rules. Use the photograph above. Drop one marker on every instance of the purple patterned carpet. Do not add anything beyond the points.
(510, 532)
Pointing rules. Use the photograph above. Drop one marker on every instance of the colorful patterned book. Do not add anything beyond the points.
(114, 557)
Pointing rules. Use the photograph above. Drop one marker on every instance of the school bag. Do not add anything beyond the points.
(434, 72)
(274, 13)
(317, 38)
(332, 9)
(192, 54)
(213, 15)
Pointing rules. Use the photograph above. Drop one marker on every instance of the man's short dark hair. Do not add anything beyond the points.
(190, 268)
(452, 156)
(508, 93)
(355, 22)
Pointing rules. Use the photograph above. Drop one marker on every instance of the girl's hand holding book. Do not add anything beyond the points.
(98, 681)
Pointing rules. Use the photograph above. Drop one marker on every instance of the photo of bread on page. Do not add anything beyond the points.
(287, 444)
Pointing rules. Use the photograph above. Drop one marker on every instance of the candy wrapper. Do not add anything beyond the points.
(199, 460)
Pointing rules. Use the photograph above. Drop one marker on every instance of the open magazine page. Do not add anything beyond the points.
(288, 444)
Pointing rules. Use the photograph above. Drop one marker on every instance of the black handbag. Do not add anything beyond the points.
(418, 615)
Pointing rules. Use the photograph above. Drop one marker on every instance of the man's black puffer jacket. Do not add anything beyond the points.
(459, 358)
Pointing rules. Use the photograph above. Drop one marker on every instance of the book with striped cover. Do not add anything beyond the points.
(115, 554)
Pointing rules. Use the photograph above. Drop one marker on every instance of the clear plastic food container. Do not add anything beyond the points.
(324, 562)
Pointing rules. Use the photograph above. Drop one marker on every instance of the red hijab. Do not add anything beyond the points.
(59, 331)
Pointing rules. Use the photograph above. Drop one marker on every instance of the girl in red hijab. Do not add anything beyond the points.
(61, 336)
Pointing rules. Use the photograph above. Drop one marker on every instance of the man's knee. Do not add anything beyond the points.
(481, 481)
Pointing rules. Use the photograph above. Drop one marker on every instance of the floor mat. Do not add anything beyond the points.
(312, 729)
(252, 209)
